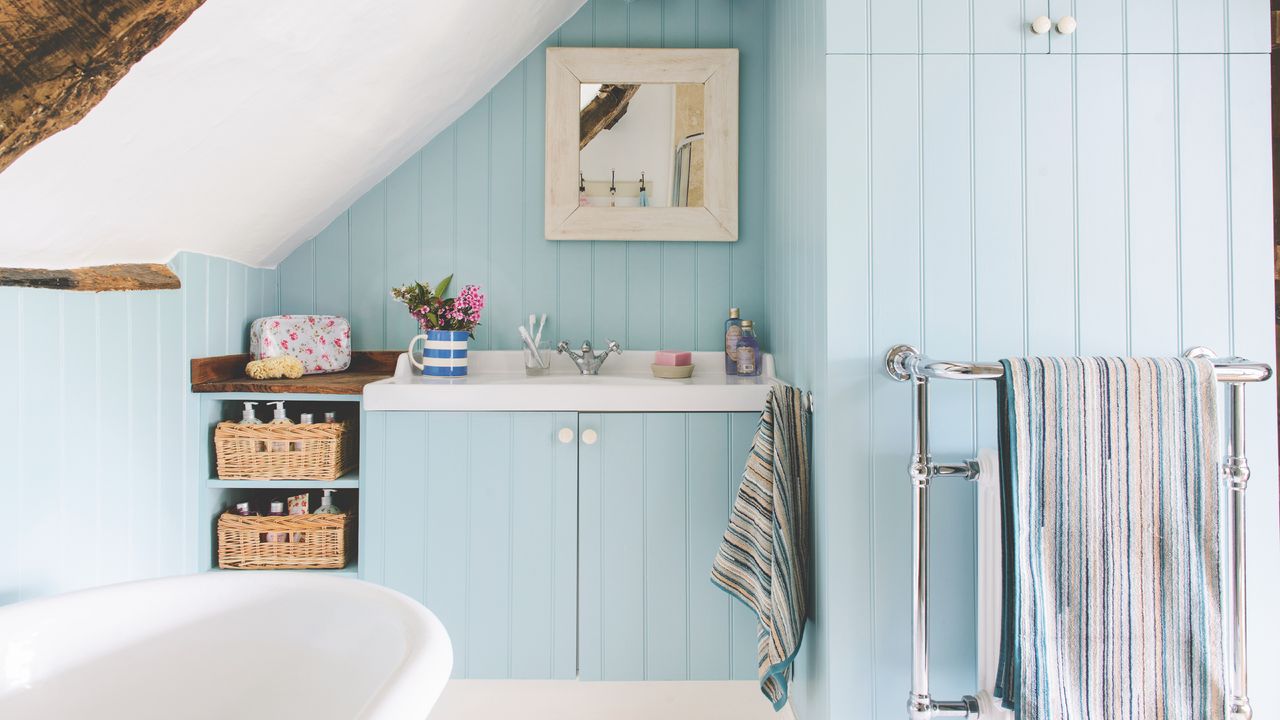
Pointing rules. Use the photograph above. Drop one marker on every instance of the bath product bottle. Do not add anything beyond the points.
(306, 419)
(326, 505)
(748, 351)
(242, 508)
(277, 510)
(280, 418)
(331, 417)
(732, 332)
(247, 417)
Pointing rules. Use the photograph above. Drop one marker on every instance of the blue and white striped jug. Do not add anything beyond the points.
(444, 353)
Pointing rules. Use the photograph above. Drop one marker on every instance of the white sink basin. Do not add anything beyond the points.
(496, 381)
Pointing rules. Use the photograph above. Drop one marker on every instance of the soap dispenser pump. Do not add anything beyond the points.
(326, 505)
(247, 415)
(279, 418)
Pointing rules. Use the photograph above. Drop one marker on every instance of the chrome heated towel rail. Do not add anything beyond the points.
(905, 363)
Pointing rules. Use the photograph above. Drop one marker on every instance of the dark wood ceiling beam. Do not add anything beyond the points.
(58, 59)
(94, 279)
(604, 111)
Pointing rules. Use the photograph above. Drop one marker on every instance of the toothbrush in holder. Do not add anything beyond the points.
(532, 346)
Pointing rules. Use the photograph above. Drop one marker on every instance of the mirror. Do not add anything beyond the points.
(641, 145)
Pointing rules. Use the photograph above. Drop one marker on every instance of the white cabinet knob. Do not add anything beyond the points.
(565, 435)
(1067, 25)
(1041, 25)
(590, 437)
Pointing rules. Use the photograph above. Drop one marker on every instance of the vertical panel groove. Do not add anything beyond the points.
(1177, 187)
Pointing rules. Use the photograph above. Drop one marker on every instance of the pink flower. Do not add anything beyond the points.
(293, 336)
(284, 344)
(337, 342)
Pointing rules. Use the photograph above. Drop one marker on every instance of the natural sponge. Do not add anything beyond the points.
(285, 366)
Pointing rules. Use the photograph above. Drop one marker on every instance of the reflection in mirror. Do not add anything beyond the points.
(641, 145)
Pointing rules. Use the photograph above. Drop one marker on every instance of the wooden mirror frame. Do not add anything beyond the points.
(716, 70)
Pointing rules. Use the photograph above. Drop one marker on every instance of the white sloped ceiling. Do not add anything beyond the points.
(255, 124)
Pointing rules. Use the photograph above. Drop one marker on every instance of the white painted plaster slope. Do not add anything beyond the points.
(256, 123)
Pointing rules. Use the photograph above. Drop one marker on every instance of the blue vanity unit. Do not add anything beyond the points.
(560, 526)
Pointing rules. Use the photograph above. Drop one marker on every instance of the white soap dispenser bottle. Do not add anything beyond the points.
(280, 418)
(247, 417)
(326, 505)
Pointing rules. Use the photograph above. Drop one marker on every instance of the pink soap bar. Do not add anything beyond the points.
(675, 358)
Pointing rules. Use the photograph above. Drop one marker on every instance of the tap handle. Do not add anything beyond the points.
(614, 347)
(563, 347)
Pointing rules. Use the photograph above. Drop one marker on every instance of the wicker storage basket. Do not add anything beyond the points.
(319, 451)
(315, 541)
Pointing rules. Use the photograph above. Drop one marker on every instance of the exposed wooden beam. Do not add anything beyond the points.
(94, 279)
(604, 111)
(58, 59)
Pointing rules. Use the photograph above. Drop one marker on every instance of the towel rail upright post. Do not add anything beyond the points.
(905, 363)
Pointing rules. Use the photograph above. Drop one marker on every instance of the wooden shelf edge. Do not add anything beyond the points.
(225, 374)
(350, 481)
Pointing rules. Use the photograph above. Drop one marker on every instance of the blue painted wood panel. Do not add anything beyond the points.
(99, 438)
(1064, 225)
(1003, 26)
(654, 498)
(470, 202)
(475, 516)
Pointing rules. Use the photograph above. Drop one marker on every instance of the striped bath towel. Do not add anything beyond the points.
(1112, 597)
(763, 560)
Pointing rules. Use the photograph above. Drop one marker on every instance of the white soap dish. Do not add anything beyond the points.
(672, 372)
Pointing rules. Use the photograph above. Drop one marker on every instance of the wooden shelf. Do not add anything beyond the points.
(225, 374)
(350, 481)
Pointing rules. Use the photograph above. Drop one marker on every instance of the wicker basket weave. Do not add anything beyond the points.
(316, 541)
(319, 451)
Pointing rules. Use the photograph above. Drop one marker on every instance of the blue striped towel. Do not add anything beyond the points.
(1112, 598)
(763, 560)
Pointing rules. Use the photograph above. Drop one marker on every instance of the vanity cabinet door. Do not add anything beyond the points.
(475, 516)
(654, 496)
(935, 27)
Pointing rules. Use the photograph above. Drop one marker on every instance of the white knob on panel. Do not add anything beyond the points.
(565, 435)
(590, 436)
(1041, 25)
(1067, 25)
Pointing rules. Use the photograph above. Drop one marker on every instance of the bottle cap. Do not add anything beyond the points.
(277, 506)
(331, 416)
(248, 410)
(747, 324)
(733, 313)
(307, 419)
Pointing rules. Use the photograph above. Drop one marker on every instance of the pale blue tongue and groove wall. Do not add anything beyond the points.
(96, 423)
(992, 193)
(470, 203)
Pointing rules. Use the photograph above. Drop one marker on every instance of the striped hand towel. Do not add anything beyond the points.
(1112, 594)
(763, 560)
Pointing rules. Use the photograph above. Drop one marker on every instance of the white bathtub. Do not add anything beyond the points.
(223, 645)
